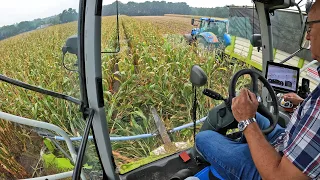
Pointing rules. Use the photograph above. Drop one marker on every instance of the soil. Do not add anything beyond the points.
(28, 155)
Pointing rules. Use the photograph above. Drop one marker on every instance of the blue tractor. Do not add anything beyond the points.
(210, 33)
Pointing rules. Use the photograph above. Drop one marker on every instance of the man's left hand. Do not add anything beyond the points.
(245, 105)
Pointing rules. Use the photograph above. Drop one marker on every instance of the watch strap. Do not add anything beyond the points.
(251, 120)
(247, 122)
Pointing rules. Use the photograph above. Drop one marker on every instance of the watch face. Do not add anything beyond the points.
(241, 126)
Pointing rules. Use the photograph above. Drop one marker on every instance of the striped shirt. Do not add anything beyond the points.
(301, 141)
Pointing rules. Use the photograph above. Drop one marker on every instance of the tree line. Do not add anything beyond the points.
(159, 8)
(65, 16)
(155, 8)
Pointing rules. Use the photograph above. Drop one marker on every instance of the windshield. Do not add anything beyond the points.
(218, 28)
(147, 83)
(31, 42)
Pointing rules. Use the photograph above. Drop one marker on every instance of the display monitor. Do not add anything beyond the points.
(282, 78)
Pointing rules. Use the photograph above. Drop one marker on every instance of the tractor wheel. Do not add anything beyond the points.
(188, 38)
(202, 43)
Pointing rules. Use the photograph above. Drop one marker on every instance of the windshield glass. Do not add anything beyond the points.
(147, 83)
(218, 28)
(32, 34)
(147, 55)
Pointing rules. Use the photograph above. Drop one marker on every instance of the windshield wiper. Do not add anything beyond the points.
(39, 90)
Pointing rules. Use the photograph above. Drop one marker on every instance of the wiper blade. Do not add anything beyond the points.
(39, 90)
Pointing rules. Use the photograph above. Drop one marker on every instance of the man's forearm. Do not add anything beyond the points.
(265, 157)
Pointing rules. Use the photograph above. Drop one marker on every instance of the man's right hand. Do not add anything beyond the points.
(293, 97)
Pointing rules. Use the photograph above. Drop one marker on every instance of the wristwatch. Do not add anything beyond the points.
(243, 124)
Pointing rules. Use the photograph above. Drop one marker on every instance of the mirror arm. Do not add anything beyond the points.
(300, 12)
(291, 56)
(83, 145)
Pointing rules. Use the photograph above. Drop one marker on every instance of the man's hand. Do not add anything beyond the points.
(293, 97)
(245, 105)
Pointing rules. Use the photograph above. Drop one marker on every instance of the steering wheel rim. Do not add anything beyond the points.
(255, 76)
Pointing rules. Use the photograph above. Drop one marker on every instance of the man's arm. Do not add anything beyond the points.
(267, 160)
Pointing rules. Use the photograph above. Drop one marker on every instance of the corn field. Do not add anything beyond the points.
(151, 70)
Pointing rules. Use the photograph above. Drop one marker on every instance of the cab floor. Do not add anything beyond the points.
(163, 169)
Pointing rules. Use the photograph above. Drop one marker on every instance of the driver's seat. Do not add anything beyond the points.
(219, 119)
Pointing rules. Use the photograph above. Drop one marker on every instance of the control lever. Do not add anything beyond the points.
(286, 104)
(304, 89)
(214, 95)
(283, 103)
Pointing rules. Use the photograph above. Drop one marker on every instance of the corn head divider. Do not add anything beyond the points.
(48, 126)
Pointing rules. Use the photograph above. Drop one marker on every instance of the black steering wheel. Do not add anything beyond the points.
(255, 76)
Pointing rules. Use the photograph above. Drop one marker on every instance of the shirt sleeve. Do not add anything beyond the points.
(303, 147)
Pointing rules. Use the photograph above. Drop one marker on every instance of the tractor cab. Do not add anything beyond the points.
(210, 32)
(267, 85)
(217, 27)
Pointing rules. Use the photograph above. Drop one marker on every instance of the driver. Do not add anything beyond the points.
(291, 153)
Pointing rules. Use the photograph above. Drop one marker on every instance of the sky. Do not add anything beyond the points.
(14, 11)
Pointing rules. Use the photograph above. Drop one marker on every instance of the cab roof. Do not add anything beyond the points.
(213, 20)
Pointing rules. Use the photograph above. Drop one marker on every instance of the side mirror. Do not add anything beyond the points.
(256, 40)
(304, 43)
(71, 45)
(192, 21)
(197, 76)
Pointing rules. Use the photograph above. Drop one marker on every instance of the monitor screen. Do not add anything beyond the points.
(282, 77)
